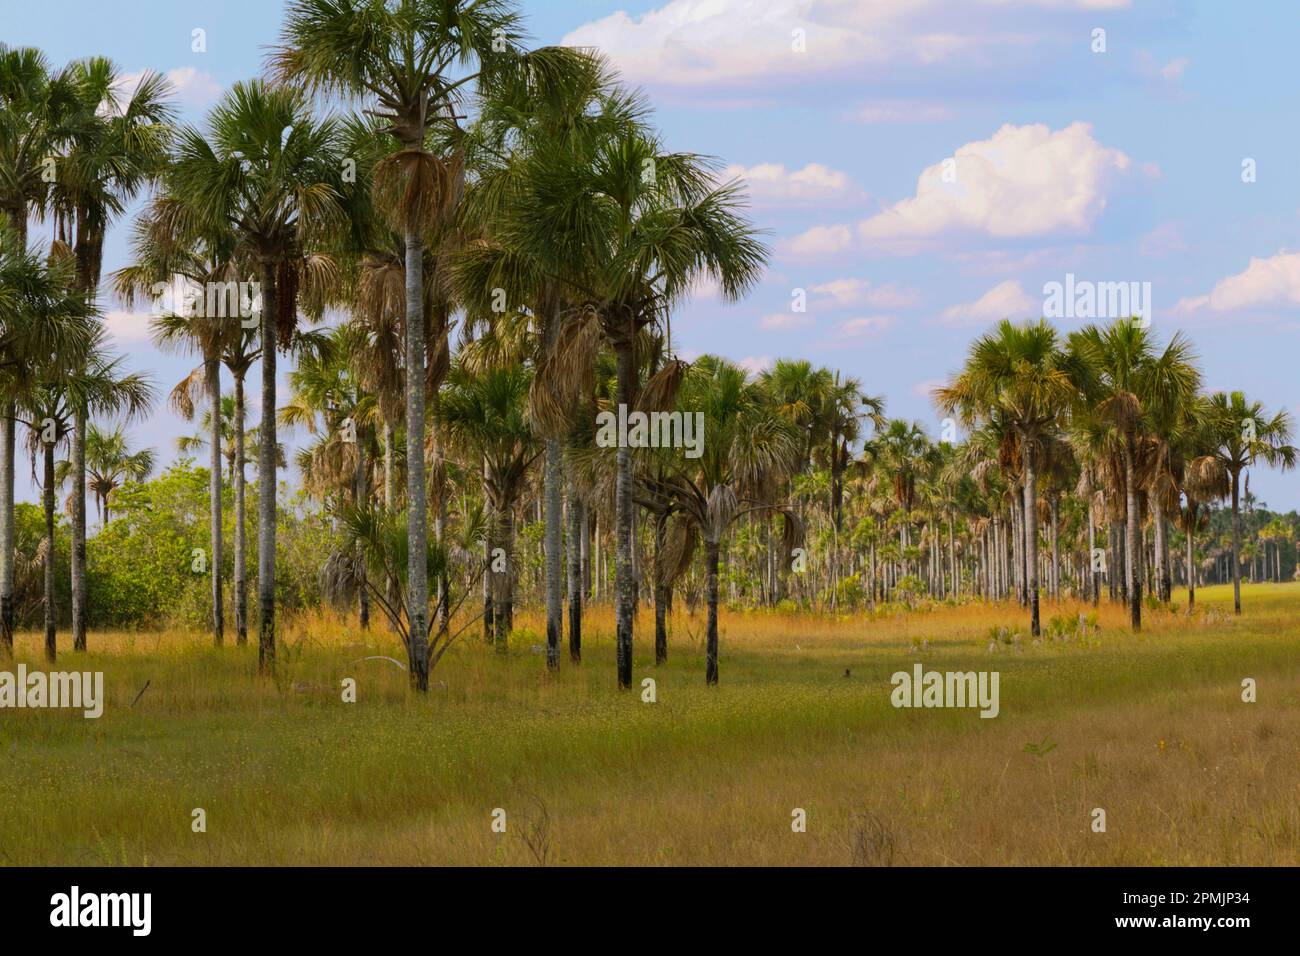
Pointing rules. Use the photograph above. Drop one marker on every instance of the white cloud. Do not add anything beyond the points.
(750, 43)
(128, 326)
(1274, 281)
(1006, 300)
(926, 388)
(817, 242)
(864, 326)
(1022, 181)
(756, 364)
(1163, 240)
(771, 184)
(778, 321)
(843, 293)
(193, 87)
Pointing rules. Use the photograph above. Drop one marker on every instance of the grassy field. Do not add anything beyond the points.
(1151, 728)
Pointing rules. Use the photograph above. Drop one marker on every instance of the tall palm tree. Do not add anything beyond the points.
(98, 385)
(1021, 373)
(1137, 389)
(411, 62)
(268, 174)
(484, 414)
(748, 451)
(1244, 433)
(119, 143)
(39, 112)
(626, 230)
(42, 314)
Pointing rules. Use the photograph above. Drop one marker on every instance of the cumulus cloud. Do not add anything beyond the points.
(1006, 300)
(864, 326)
(1023, 181)
(780, 321)
(749, 43)
(771, 184)
(756, 364)
(128, 326)
(845, 293)
(1269, 282)
(194, 88)
(817, 242)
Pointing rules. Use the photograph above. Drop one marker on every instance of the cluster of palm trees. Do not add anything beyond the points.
(1123, 419)
(498, 237)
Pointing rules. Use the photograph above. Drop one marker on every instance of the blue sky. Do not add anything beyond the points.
(1122, 165)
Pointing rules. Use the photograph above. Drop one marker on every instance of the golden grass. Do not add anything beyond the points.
(1150, 727)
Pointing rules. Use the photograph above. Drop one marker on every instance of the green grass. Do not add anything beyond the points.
(1150, 727)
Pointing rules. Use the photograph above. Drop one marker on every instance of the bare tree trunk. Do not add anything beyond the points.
(660, 589)
(7, 452)
(503, 580)
(1133, 544)
(212, 373)
(241, 533)
(1191, 557)
(554, 511)
(577, 547)
(266, 478)
(1094, 576)
(1236, 543)
(711, 635)
(417, 514)
(625, 595)
(79, 530)
(1056, 548)
(51, 612)
(362, 494)
(1031, 533)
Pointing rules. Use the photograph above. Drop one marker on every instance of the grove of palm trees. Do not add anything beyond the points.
(396, 597)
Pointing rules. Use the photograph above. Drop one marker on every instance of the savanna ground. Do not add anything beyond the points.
(1152, 728)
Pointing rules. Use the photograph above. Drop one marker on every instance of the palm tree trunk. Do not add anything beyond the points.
(361, 491)
(417, 515)
(625, 596)
(266, 479)
(1159, 553)
(660, 589)
(503, 581)
(1094, 576)
(711, 635)
(7, 450)
(1133, 543)
(241, 533)
(577, 546)
(1191, 557)
(554, 509)
(212, 372)
(51, 625)
(1031, 533)
(1056, 547)
(78, 457)
(1236, 542)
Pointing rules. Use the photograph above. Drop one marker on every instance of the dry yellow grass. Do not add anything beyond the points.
(1151, 728)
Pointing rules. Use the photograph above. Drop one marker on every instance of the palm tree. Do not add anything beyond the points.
(1019, 373)
(119, 143)
(109, 463)
(1138, 391)
(483, 413)
(42, 314)
(269, 175)
(748, 451)
(625, 230)
(411, 62)
(39, 110)
(100, 387)
(1243, 433)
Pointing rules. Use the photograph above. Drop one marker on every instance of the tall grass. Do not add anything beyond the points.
(1149, 727)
